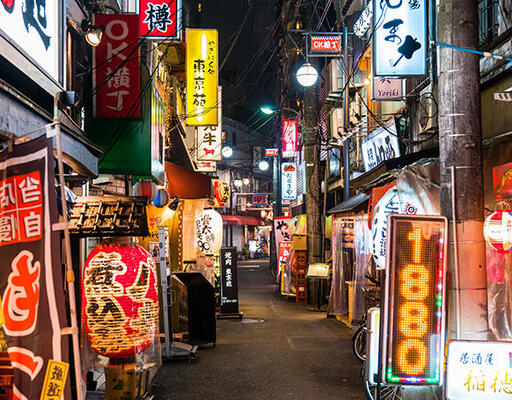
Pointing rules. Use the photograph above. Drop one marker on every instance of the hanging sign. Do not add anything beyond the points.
(380, 145)
(160, 19)
(364, 21)
(208, 227)
(229, 281)
(478, 370)
(289, 133)
(209, 138)
(415, 301)
(116, 67)
(202, 77)
(387, 89)
(283, 229)
(33, 304)
(221, 192)
(400, 37)
(289, 181)
(324, 45)
(260, 199)
(206, 166)
(271, 152)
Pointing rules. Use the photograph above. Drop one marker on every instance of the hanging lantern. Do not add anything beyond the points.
(146, 188)
(208, 226)
(162, 198)
(498, 230)
(120, 300)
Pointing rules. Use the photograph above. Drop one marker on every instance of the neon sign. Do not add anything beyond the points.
(415, 300)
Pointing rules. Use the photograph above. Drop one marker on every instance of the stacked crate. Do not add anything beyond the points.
(301, 280)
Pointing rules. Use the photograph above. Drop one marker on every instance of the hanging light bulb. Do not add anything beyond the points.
(307, 75)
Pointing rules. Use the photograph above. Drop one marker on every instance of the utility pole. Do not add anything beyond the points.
(460, 147)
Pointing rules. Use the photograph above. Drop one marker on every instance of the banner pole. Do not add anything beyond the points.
(70, 277)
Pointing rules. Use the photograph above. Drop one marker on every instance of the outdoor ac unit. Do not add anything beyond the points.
(427, 111)
(336, 115)
(334, 87)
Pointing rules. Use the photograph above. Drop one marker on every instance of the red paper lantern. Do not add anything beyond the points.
(120, 300)
(146, 188)
(498, 230)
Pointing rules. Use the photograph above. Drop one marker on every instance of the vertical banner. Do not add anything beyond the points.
(229, 281)
(289, 138)
(289, 181)
(202, 77)
(400, 37)
(31, 274)
(116, 67)
(209, 137)
(160, 19)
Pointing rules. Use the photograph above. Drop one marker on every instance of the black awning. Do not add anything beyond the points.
(353, 205)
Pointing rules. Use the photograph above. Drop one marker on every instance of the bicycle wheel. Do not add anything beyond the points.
(387, 392)
(359, 343)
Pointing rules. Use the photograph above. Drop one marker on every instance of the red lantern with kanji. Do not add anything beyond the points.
(498, 230)
(120, 300)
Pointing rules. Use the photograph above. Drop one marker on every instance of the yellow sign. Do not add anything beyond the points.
(54, 380)
(202, 77)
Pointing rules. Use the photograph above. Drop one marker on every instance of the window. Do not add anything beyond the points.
(488, 11)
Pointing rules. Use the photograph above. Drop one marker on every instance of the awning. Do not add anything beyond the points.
(242, 220)
(355, 204)
(187, 184)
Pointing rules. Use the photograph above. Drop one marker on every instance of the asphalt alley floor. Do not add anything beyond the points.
(279, 351)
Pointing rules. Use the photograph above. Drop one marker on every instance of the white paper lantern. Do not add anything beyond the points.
(208, 227)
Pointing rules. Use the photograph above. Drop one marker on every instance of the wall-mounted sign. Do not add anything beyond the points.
(271, 152)
(33, 26)
(209, 138)
(289, 181)
(160, 19)
(260, 199)
(221, 193)
(116, 67)
(202, 76)
(289, 133)
(364, 21)
(206, 166)
(387, 89)
(380, 145)
(400, 37)
(229, 281)
(415, 300)
(324, 44)
(478, 370)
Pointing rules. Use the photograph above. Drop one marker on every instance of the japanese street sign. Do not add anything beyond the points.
(221, 193)
(478, 370)
(289, 181)
(116, 67)
(260, 199)
(271, 152)
(229, 281)
(54, 380)
(387, 89)
(325, 45)
(209, 138)
(415, 302)
(206, 166)
(289, 132)
(364, 22)
(380, 145)
(202, 77)
(160, 19)
(400, 37)
(30, 282)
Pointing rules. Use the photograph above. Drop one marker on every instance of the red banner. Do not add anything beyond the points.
(31, 274)
(159, 19)
(502, 181)
(289, 138)
(284, 251)
(116, 67)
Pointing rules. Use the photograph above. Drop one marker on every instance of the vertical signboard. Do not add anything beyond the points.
(116, 67)
(289, 138)
(289, 181)
(160, 19)
(31, 278)
(229, 281)
(400, 37)
(209, 137)
(202, 77)
(413, 349)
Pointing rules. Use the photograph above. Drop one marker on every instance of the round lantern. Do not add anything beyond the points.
(498, 230)
(162, 198)
(146, 188)
(120, 300)
(208, 228)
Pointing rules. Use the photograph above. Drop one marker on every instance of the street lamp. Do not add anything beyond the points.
(307, 75)
(263, 165)
(246, 181)
(227, 151)
(266, 109)
(238, 183)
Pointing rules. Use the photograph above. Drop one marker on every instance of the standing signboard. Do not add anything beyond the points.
(415, 304)
(229, 282)
(31, 278)
(116, 67)
(400, 38)
(160, 19)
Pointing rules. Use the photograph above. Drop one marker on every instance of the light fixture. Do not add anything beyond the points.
(92, 32)
(366, 81)
(307, 75)
(238, 183)
(173, 205)
(246, 181)
(269, 110)
(227, 151)
(263, 165)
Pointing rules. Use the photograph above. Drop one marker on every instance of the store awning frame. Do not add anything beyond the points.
(355, 204)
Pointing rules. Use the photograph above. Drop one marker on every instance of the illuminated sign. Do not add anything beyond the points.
(387, 89)
(160, 19)
(478, 370)
(321, 44)
(415, 300)
(364, 21)
(271, 152)
(289, 138)
(289, 181)
(202, 77)
(400, 37)
(209, 138)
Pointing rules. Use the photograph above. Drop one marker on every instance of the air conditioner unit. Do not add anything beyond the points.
(427, 113)
(336, 125)
(334, 87)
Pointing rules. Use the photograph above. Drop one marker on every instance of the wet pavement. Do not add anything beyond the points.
(279, 351)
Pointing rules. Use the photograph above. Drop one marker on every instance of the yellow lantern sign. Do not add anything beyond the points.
(202, 77)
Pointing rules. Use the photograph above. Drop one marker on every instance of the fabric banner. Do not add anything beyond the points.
(31, 272)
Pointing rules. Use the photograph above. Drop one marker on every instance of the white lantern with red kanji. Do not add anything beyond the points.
(208, 228)
(498, 230)
(120, 300)
(146, 188)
